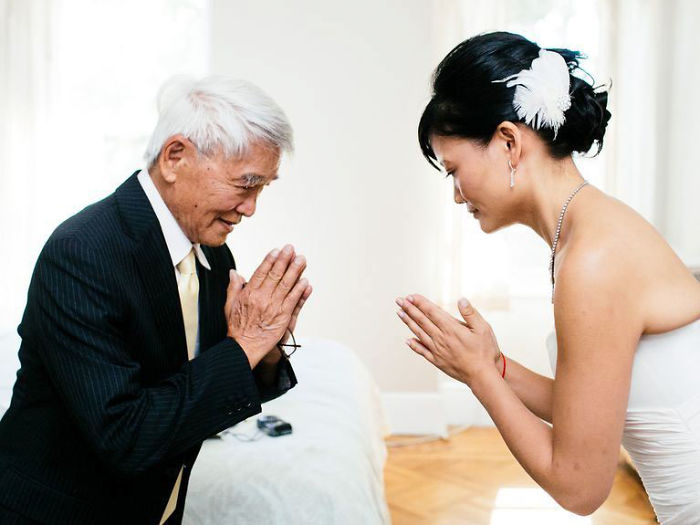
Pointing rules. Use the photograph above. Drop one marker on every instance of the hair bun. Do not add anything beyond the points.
(470, 98)
(586, 119)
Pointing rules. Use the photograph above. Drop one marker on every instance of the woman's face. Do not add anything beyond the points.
(481, 178)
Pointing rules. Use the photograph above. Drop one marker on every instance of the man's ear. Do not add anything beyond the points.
(509, 135)
(177, 153)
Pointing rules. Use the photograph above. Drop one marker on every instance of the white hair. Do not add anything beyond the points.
(218, 112)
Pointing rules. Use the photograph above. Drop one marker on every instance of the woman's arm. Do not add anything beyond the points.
(533, 389)
(598, 330)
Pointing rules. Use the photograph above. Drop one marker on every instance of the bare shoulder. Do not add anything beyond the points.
(595, 286)
(618, 258)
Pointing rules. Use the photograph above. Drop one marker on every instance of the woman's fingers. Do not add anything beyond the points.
(417, 315)
(470, 314)
(416, 329)
(432, 311)
(420, 349)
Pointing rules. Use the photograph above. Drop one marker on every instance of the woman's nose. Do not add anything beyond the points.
(458, 195)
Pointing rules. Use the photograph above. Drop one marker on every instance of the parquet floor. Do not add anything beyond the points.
(473, 479)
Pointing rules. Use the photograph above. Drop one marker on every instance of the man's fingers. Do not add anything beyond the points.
(235, 285)
(306, 294)
(290, 277)
(260, 274)
(279, 267)
(290, 302)
(297, 309)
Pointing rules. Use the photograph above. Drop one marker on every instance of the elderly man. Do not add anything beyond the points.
(139, 340)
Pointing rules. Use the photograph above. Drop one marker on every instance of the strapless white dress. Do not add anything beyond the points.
(662, 426)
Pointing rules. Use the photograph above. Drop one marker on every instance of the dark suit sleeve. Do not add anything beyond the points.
(285, 379)
(76, 320)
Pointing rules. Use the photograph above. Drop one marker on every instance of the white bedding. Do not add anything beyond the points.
(328, 471)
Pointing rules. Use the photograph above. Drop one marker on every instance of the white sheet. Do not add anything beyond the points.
(329, 471)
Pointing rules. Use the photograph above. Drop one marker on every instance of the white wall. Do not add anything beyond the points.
(357, 198)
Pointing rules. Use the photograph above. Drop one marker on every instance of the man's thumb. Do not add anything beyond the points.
(235, 281)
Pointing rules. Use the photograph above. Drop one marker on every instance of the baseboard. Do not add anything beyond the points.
(415, 413)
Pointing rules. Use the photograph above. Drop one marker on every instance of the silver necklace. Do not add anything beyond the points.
(556, 235)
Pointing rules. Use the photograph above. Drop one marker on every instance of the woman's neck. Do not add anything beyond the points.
(553, 183)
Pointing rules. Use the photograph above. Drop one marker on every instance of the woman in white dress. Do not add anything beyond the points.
(503, 122)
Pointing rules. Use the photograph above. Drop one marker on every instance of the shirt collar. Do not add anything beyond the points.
(176, 240)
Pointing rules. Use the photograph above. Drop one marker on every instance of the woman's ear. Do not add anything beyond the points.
(508, 134)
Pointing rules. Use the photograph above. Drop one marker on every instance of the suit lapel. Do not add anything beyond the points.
(212, 297)
(154, 267)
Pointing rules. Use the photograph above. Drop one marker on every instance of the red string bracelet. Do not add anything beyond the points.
(503, 375)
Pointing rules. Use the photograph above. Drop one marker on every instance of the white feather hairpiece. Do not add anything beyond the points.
(542, 91)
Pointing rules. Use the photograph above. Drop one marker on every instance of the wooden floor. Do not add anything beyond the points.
(473, 479)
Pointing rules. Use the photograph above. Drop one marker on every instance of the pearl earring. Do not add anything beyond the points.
(512, 174)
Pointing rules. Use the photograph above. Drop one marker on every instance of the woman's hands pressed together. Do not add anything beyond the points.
(462, 349)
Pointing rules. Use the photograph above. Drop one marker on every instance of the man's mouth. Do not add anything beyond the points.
(228, 224)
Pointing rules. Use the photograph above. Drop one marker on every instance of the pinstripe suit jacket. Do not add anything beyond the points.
(106, 408)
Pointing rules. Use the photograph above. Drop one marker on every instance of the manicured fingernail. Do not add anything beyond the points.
(299, 260)
(463, 303)
(409, 342)
(399, 301)
(409, 298)
(401, 314)
(303, 282)
(288, 249)
(275, 252)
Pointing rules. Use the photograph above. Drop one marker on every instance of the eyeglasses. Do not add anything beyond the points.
(294, 346)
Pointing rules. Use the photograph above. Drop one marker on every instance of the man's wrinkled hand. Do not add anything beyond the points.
(260, 312)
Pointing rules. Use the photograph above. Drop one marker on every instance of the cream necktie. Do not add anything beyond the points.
(188, 289)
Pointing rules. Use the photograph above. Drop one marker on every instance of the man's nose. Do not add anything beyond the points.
(247, 207)
(458, 195)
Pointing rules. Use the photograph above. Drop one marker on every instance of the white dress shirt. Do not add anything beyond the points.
(176, 240)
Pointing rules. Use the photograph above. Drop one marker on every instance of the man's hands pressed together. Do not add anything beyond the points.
(260, 312)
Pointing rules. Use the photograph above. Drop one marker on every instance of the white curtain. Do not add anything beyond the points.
(652, 47)
(648, 49)
(78, 80)
(26, 60)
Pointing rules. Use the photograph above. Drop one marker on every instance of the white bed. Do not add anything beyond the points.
(328, 471)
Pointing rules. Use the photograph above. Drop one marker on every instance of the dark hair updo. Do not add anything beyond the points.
(466, 102)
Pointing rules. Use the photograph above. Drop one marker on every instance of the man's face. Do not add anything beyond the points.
(208, 195)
